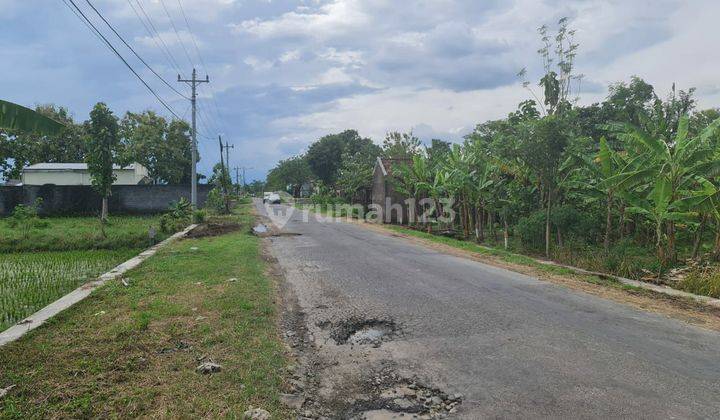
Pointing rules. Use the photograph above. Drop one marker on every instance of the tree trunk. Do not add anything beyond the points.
(608, 224)
(698, 237)
(671, 254)
(466, 231)
(659, 244)
(491, 224)
(559, 236)
(104, 210)
(547, 225)
(481, 225)
(716, 251)
(505, 233)
(621, 223)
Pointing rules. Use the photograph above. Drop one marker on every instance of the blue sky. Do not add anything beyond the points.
(286, 72)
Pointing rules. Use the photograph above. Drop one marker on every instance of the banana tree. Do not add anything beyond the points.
(413, 179)
(459, 183)
(436, 191)
(705, 200)
(17, 117)
(655, 180)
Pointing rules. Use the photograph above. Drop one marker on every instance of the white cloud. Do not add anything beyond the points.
(288, 56)
(258, 64)
(447, 112)
(346, 58)
(329, 20)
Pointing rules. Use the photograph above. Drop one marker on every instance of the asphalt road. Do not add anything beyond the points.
(514, 346)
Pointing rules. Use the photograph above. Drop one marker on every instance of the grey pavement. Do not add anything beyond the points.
(514, 346)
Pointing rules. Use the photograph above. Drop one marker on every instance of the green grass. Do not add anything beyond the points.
(29, 281)
(79, 233)
(129, 352)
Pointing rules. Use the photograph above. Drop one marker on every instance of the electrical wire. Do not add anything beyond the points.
(154, 28)
(112, 28)
(168, 58)
(216, 118)
(177, 34)
(115, 51)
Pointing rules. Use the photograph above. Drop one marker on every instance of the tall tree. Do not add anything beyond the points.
(325, 155)
(290, 174)
(103, 140)
(401, 145)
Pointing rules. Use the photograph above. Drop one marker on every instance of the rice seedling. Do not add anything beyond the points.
(29, 281)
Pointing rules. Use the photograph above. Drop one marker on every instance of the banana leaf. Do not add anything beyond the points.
(17, 117)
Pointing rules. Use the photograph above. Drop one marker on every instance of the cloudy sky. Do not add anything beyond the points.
(284, 73)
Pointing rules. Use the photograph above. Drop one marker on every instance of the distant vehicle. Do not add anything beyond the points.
(271, 198)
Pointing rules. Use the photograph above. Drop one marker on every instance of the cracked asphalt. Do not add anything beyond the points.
(514, 346)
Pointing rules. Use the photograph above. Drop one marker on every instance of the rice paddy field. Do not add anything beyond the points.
(61, 253)
(31, 280)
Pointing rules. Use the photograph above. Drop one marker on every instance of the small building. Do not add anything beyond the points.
(78, 174)
(389, 204)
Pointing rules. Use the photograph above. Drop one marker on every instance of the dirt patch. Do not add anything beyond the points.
(213, 229)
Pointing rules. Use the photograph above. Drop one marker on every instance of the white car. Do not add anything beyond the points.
(271, 198)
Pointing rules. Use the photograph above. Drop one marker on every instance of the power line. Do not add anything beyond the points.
(177, 34)
(168, 58)
(112, 28)
(109, 44)
(192, 37)
(210, 119)
(154, 28)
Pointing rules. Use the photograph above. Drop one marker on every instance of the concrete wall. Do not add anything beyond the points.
(77, 199)
(389, 204)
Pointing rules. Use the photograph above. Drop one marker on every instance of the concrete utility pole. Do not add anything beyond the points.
(243, 174)
(227, 157)
(237, 178)
(193, 99)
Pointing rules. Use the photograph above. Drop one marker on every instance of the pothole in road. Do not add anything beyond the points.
(395, 397)
(364, 331)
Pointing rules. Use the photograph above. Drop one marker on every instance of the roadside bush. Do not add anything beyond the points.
(702, 281)
(215, 200)
(199, 216)
(26, 217)
(178, 216)
(530, 230)
(574, 224)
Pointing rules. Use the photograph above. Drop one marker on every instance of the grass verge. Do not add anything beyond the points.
(132, 351)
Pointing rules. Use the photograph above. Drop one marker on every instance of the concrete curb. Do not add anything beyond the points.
(40, 317)
(641, 284)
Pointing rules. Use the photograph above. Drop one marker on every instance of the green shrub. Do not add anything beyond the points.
(26, 217)
(215, 200)
(178, 216)
(199, 216)
(575, 225)
(530, 230)
(702, 281)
